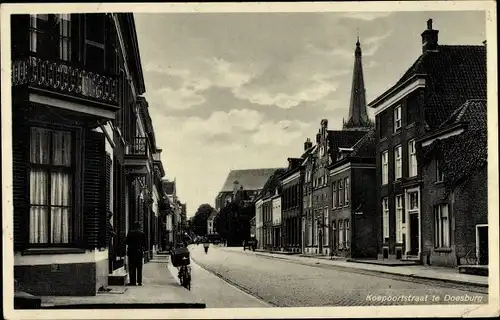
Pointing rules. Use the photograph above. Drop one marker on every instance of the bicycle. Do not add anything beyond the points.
(185, 275)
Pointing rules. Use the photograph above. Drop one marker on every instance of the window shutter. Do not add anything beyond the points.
(20, 183)
(106, 228)
(122, 212)
(94, 193)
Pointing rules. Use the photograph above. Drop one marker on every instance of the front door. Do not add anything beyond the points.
(482, 233)
(414, 236)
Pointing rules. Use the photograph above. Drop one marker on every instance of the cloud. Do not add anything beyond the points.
(179, 99)
(314, 89)
(282, 132)
(365, 16)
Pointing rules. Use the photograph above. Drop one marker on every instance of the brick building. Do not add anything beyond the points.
(353, 216)
(264, 201)
(440, 80)
(85, 159)
(453, 162)
(291, 204)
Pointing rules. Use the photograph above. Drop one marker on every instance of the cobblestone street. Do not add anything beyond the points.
(288, 284)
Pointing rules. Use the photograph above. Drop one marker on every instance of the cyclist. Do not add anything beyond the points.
(206, 244)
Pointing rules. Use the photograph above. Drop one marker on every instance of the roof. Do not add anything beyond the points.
(365, 147)
(344, 138)
(273, 182)
(213, 214)
(454, 74)
(169, 187)
(250, 179)
(473, 111)
(465, 153)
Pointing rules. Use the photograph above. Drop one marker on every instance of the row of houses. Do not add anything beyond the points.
(411, 185)
(86, 164)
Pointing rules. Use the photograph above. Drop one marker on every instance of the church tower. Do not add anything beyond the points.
(358, 117)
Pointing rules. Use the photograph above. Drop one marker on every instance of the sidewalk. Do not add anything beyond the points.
(159, 290)
(412, 271)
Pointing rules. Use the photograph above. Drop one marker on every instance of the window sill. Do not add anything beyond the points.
(411, 125)
(38, 251)
(398, 131)
(382, 139)
(439, 183)
(442, 250)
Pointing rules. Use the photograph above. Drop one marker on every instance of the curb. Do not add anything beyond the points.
(364, 271)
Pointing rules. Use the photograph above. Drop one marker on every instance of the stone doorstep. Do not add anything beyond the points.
(118, 279)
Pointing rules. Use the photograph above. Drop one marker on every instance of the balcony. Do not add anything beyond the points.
(61, 80)
(157, 163)
(137, 157)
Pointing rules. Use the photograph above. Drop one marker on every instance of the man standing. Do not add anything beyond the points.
(136, 242)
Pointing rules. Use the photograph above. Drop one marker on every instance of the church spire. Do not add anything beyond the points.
(358, 118)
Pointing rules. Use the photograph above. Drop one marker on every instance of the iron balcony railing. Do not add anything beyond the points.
(139, 147)
(61, 77)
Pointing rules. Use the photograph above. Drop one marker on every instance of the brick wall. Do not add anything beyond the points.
(468, 207)
(386, 139)
(365, 226)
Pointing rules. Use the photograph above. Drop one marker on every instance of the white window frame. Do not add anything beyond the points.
(398, 162)
(399, 218)
(346, 191)
(334, 194)
(442, 226)
(412, 159)
(385, 167)
(397, 118)
(347, 234)
(341, 195)
(385, 218)
(341, 234)
(439, 173)
(327, 231)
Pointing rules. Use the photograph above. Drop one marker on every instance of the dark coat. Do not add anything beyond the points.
(136, 241)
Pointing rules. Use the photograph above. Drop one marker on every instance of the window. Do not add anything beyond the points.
(347, 234)
(442, 226)
(399, 219)
(334, 195)
(309, 231)
(385, 218)
(43, 27)
(397, 158)
(439, 172)
(385, 167)
(412, 159)
(340, 194)
(413, 201)
(346, 191)
(397, 118)
(327, 231)
(51, 184)
(341, 234)
(95, 27)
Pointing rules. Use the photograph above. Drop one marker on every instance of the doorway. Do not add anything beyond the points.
(414, 234)
(482, 244)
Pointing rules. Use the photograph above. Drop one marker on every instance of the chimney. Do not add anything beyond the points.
(318, 137)
(308, 144)
(429, 38)
(324, 123)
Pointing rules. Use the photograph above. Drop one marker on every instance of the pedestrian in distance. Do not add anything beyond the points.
(136, 242)
(206, 244)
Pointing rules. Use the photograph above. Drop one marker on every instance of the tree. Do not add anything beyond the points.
(233, 222)
(199, 221)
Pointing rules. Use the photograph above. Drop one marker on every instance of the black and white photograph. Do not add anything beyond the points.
(250, 160)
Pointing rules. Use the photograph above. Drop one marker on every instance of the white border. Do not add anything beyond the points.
(341, 312)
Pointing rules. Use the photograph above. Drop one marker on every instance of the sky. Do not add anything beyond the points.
(244, 90)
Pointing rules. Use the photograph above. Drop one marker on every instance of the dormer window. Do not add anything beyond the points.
(397, 118)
